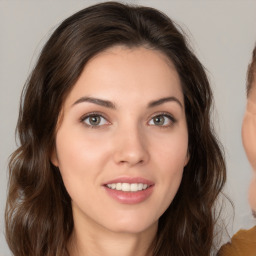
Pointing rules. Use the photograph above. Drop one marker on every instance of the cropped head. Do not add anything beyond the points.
(249, 125)
(117, 98)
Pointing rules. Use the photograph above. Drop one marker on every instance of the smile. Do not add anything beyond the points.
(128, 187)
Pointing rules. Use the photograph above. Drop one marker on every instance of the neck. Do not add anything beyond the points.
(93, 240)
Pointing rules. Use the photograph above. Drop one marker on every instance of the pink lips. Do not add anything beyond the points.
(130, 197)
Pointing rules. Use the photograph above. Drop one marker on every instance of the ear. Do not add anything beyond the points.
(54, 158)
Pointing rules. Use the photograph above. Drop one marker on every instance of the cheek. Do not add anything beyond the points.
(173, 149)
(173, 161)
(252, 193)
(78, 147)
(171, 157)
(249, 137)
(80, 158)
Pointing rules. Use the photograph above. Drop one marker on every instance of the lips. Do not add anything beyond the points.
(129, 190)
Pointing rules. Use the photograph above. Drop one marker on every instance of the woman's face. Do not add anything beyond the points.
(249, 140)
(122, 143)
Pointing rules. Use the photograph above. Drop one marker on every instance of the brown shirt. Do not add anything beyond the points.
(243, 243)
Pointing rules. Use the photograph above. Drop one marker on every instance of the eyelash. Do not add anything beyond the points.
(96, 114)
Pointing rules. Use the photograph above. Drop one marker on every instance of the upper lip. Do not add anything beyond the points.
(130, 180)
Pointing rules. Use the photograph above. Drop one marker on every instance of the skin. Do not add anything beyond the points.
(127, 142)
(249, 140)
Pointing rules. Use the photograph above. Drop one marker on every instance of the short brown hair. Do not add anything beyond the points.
(251, 72)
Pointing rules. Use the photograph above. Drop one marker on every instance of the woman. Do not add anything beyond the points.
(117, 151)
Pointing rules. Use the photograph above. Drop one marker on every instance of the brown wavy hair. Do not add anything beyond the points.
(39, 218)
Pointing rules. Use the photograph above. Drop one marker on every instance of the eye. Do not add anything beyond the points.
(94, 120)
(162, 120)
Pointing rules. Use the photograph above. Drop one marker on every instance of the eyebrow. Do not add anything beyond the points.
(109, 104)
(163, 100)
(100, 102)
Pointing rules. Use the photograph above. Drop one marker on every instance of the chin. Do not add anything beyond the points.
(132, 226)
(252, 194)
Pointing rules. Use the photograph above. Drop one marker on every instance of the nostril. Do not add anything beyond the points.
(131, 162)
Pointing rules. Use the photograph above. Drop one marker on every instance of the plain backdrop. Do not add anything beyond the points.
(222, 33)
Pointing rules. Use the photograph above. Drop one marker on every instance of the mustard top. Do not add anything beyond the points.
(243, 243)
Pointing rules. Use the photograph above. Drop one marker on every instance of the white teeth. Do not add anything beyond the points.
(140, 186)
(118, 186)
(127, 187)
(134, 187)
(113, 186)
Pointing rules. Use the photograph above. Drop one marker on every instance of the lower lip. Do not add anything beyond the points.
(130, 197)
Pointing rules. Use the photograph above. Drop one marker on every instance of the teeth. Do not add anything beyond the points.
(127, 187)
(118, 186)
(140, 186)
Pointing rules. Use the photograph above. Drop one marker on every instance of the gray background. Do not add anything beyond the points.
(222, 33)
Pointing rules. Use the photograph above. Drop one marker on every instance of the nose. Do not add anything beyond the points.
(131, 147)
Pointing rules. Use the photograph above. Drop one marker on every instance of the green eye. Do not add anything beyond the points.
(162, 120)
(94, 120)
(159, 120)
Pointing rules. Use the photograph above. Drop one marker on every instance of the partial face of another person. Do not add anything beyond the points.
(249, 139)
(122, 142)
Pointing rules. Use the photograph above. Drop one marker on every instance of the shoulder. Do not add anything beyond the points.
(242, 243)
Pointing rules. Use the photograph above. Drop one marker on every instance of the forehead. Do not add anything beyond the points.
(130, 72)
